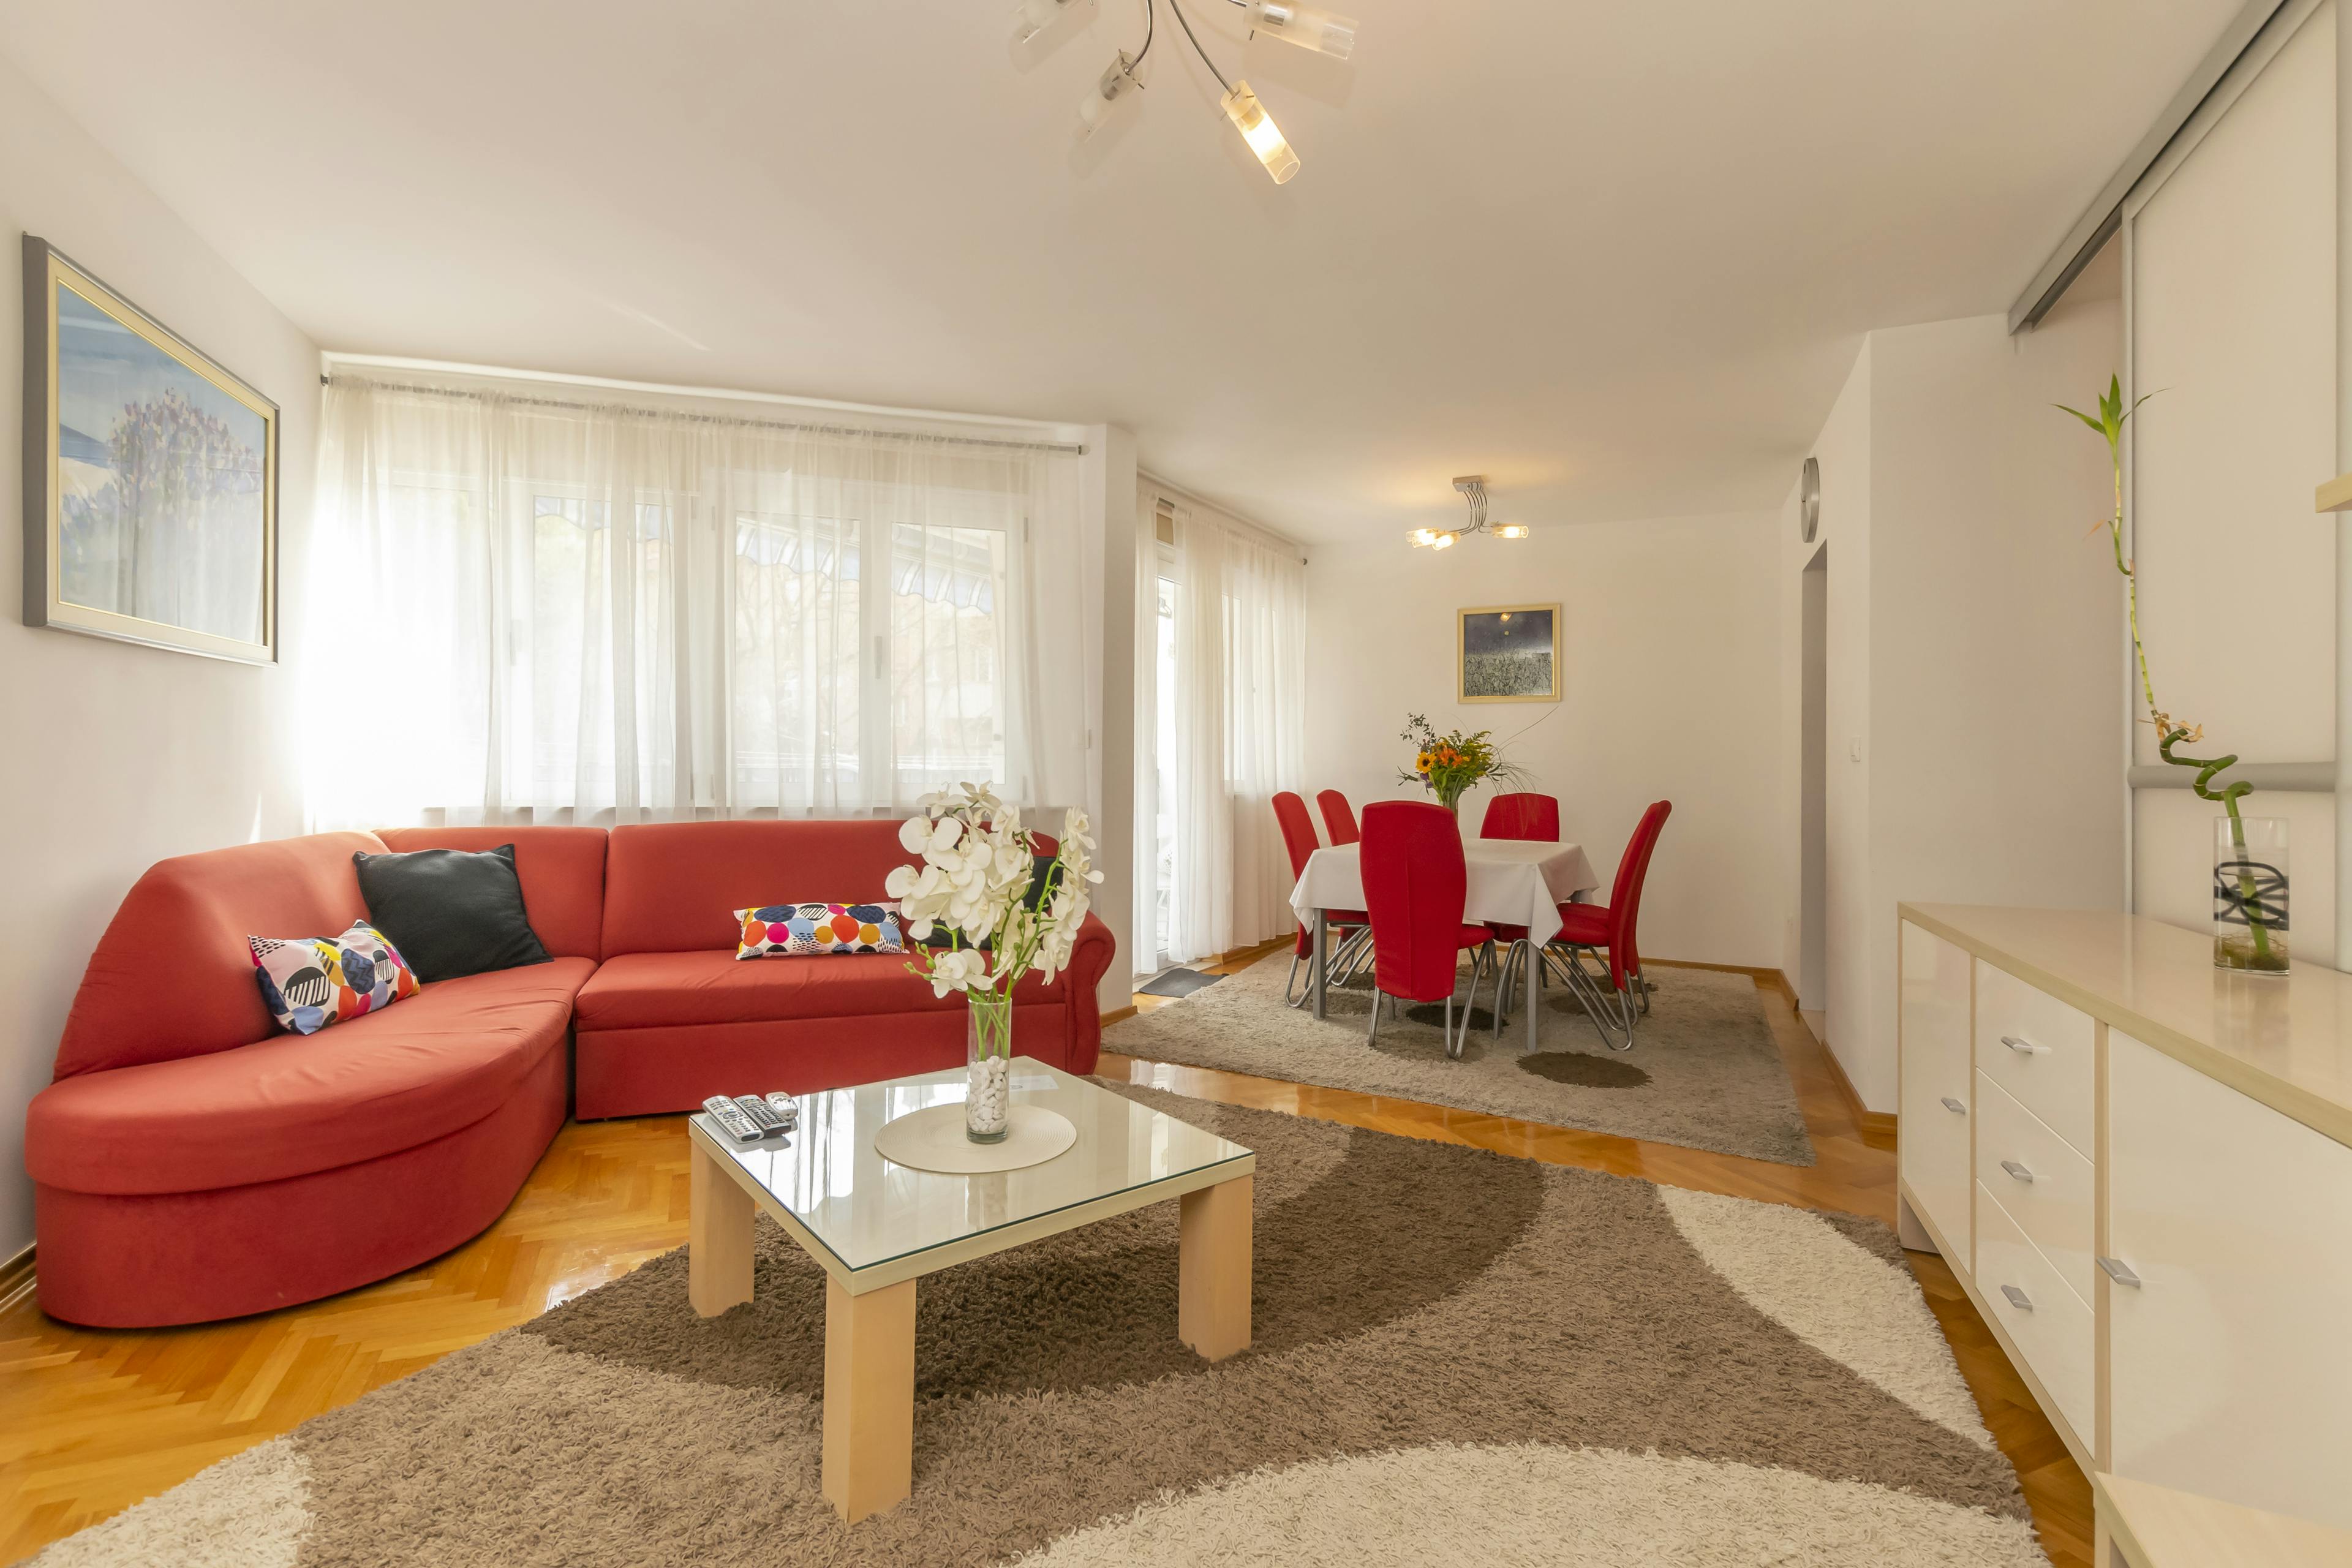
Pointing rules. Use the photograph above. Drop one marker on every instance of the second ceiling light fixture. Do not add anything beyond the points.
(1302, 25)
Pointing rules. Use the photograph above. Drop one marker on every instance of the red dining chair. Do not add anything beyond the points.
(1414, 884)
(1606, 934)
(1299, 838)
(1338, 816)
(1524, 816)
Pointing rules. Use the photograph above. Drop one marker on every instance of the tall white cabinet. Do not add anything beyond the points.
(2141, 1170)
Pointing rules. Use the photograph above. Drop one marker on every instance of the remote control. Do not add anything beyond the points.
(785, 1106)
(765, 1119)
(730, 1119)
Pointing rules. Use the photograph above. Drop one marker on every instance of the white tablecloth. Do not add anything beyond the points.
(1512, 881)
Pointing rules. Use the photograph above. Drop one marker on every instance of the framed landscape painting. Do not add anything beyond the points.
(150, 477)
(1509, 652)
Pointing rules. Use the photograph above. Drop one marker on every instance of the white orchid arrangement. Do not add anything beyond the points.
(977, 865)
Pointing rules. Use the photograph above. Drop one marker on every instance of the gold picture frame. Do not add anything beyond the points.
(150, 477)
(1488, 668)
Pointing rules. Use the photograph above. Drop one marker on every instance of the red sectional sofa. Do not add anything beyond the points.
(191, 1163)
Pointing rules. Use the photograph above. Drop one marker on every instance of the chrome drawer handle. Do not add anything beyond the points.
(2119, 1271)
(2014, 1169)
(1954, 1106)
(2017, 1298)
(2024, 1048)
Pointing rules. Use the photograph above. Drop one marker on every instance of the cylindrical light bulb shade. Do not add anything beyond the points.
(1305, 26)
(1095, 108)
(1444, 541)
(1512, 531)
(1031, 16)
(1258, 129)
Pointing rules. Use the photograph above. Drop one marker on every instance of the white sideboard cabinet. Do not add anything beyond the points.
(2140, 1169)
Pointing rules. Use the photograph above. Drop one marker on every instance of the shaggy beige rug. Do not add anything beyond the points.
(1460, 1358)
(1704, 1071)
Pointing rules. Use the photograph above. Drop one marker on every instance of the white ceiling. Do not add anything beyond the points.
(1616, 257)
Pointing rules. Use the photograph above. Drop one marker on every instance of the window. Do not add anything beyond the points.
(634, 611)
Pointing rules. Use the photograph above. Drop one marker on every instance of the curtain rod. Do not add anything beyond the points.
(821, 405)
(470, 394)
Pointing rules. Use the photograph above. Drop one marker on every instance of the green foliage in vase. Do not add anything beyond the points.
(1448, 766)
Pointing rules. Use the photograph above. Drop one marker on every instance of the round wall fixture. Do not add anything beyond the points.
(1809, 500)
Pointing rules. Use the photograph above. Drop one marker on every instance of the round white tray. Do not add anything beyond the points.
(933, 1139)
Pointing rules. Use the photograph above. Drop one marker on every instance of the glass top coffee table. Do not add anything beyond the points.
(875, 1227)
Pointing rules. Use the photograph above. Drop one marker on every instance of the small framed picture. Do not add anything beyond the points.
(1509, 652)
(150, 477)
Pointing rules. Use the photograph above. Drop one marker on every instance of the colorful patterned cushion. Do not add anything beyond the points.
(313, 982)
(791, 930)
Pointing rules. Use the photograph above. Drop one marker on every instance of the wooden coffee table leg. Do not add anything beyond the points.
(1213, 1270)
(869, 1397)
(718, 1236)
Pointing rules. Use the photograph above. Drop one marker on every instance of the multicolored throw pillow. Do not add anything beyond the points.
(313, 982)
(779, 931)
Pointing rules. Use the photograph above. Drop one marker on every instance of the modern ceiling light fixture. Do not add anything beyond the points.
(1321, 31)
(1474, 490)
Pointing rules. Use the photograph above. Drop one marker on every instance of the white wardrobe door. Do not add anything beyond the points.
(2232, 1357)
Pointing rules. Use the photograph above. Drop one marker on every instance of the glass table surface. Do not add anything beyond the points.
(868, 1211)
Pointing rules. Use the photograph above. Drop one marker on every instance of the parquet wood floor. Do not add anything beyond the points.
(92, 1422)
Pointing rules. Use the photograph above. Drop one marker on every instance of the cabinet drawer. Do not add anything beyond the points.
(2052, 1330)
(1932, 1143)
(2044, 1184)
(2038, 1050)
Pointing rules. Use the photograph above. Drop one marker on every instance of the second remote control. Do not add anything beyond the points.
(730, 1119)
(762, 1117)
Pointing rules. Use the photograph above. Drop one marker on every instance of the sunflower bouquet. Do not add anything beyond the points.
(1448, 766)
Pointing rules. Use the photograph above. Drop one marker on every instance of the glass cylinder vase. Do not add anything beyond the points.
(2250, 894)
(988, 1066)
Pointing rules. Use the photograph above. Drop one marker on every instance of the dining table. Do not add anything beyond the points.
(1511, 881)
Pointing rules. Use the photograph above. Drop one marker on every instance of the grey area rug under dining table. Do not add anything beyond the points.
(1703, 1072)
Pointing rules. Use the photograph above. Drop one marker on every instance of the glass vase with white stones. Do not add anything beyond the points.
(976, 883)
(987, 1066)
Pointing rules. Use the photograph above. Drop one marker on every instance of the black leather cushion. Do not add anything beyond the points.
(450, 911)
(1044, 877)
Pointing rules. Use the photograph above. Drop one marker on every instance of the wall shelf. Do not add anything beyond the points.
(2335, 495)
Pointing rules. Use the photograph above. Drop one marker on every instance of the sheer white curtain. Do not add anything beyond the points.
(1241, 679)
(527, 605)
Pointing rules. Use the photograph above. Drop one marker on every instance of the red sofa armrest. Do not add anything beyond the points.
(1090, 959)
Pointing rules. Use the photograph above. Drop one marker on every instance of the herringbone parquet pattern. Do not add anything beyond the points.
(91, 1422)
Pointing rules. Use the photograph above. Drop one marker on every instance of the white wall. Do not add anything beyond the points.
(1974, 649)
(120, 755)
(1669, 692)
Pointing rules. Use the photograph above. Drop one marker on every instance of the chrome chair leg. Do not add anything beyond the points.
(1292, 979)
(1480, 963)
(1613, 1010)
(1372, 1031)
(1510, 977)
